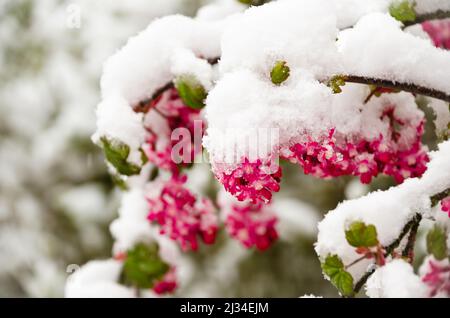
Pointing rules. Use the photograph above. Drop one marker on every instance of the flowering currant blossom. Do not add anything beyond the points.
(439, 31)
(182, 216)
(445, 205)
(253, 224)
(165, 114)
(167, 284)
(399, 153)
(254, 181)
(437, 277)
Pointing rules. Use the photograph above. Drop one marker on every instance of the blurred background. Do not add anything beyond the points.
(56, 198)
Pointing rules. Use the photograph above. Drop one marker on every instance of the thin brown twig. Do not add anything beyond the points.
(389, 249)
(407, 87)
(437, 15)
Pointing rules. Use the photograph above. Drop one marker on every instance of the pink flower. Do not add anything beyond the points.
(182, 216)
(166, 114)
(167, 284)
(439, 31)
(252, 225)
(327, 158)
(254, 181)
(437, 278)
(445, 205)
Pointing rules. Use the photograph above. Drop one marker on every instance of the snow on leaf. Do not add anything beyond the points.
(116, 152)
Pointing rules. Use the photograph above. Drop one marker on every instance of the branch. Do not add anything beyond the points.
(408, 251)
(411, 88)
(145, 105)
(437, 15)
(439, 196)
(390, 248)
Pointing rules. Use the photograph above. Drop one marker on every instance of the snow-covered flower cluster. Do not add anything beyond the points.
(288, 81)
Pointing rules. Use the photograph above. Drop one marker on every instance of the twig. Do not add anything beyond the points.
(144, 105)
(389, 249)
(437, 15)
(412, 88)
(408, 251)
(355, 261)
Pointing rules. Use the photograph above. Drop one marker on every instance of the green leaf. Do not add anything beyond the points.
(361, 235)
(340, 278)
(343, 281)
(403, 11)
(332, 265)
(116, 152)
(437, 242)
(143, 266)
(336, 82)
(191, 92)
(280, 72)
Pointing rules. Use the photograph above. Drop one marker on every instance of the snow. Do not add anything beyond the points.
(350, 11)
(241, 103)
(132, 226)
(392, 54)
(118, 121)
(97, 279)
(184, 62)
(395, 280)
(427, 6)
(219, 9)
(250, 42)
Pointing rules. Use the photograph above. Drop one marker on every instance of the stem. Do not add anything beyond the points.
(144, 105)
(390, 248)
(408, 251)
(411, 88)
(355, 261)
(439, 196)
(437, 15)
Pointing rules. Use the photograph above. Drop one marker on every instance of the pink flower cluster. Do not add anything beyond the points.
(254, 181)
(252, 225)
(445, 205)
(365, 159)
(439, 31)
(167, 284)
(168, 114)
(438, 278)
(182, 216)
(398, 153)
